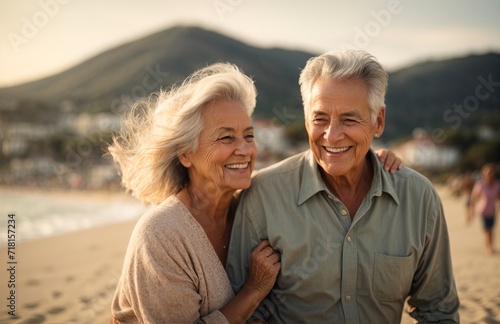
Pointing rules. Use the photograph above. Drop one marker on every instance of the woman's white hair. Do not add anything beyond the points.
(342, 66)
(168, 124)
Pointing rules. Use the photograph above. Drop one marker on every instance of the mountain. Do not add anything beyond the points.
(164, 58)
(446, 94)
(425, 95)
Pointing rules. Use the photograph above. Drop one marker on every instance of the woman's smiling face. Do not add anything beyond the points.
(226, 153)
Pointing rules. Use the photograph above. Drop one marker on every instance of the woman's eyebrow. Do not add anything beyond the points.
(230, 129)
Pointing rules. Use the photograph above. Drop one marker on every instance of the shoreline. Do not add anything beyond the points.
(46, 213)
(121, 194)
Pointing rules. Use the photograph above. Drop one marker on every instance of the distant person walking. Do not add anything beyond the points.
(484, 195)
(467, 185)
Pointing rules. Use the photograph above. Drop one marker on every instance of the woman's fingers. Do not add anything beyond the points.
(389, 160)
(264, 267)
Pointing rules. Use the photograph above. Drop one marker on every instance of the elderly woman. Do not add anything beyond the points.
(189, 155)
(355, 241)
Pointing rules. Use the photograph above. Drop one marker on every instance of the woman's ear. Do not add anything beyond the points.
(185, 160)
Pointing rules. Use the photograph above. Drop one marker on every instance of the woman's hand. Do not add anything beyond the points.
(264, 268)
(389, 160)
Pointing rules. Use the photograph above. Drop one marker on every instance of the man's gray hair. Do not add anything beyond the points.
(342, 66)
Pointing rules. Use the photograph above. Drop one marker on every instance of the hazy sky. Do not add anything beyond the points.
(43, 37)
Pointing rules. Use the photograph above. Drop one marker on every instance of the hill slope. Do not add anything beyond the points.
(443, 94)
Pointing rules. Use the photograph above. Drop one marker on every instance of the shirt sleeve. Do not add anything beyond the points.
(434, 295)
(159, 283)
(245, 237)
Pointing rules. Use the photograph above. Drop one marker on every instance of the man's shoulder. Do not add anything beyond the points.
(283, 168)
(280, 179)
(409, 174)
(413, 180)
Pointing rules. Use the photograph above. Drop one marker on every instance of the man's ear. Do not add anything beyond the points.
(380, 121)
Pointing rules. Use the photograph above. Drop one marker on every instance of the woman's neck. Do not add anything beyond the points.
(210, 209)
(207, 200)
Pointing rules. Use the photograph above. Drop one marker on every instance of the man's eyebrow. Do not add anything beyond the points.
(351, 113)
(319, 112)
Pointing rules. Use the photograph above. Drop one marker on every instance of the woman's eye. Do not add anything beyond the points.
(249, 137)
(225, 139)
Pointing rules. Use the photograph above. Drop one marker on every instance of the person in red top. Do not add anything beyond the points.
(483, 198)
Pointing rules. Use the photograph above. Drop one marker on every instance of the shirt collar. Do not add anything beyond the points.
(381, 181)
(312, 181)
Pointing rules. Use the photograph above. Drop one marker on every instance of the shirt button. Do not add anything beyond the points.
(348, 239)
(343, 212)
(348, 298)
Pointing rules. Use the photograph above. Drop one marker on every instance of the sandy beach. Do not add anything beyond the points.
(71, 278)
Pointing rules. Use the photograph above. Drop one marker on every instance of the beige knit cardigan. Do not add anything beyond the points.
(171, 272)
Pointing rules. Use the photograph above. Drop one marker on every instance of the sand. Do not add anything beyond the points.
(71, 278)
(477, 274)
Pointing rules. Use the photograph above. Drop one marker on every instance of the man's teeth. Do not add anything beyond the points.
(237, 166)
(337, 150)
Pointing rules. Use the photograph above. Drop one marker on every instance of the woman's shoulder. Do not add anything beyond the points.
(169, 219)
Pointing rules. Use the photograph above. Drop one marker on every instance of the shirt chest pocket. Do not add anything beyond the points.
(392, 277)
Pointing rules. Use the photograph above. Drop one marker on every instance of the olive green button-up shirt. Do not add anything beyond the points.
(334, 270)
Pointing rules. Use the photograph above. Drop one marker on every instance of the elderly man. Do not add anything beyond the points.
(355, 242)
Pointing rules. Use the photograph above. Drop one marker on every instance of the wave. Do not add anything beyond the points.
(40, 214)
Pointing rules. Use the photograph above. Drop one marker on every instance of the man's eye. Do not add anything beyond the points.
(319, 120)
(350, 121)
(249, 137)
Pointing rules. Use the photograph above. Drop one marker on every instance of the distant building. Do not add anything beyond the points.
(422, 152)
(270, 137)
(85, 123)
(15, 137)
(14, 146)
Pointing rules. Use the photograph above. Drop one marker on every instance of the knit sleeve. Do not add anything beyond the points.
(159, 280)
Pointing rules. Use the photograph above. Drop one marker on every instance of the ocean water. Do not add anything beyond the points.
(40, 214)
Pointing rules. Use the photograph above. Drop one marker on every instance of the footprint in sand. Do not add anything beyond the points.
(36, 319)
(56, 310)
(472, 310)
(32, 282)
(86, 300)
(32, 305)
